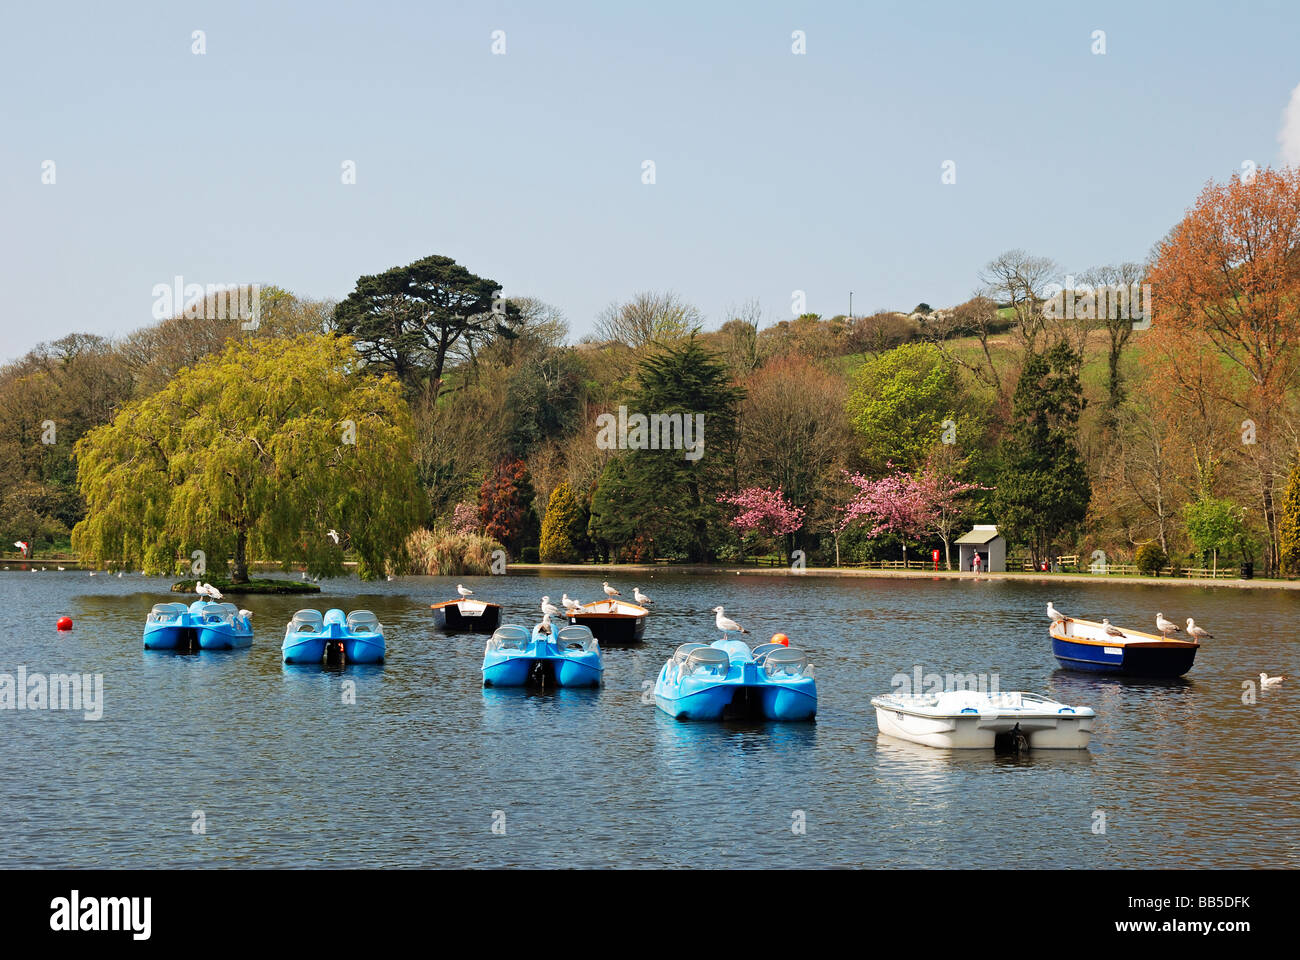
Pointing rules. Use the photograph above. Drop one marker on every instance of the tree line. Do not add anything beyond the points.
(846, 438)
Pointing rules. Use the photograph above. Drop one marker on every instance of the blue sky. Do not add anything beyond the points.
(774, 172)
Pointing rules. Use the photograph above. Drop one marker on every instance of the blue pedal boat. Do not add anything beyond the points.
(1086, 645)
(336, 638)
(561, 656)
(726, 679)
(203, 625)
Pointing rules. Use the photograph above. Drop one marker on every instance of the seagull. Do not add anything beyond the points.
(333, 535)
(1197, 633)
(463, 592)
(546, 622)
(303, 575)
(1113, 631)
(1166, 626)
(200, 588)
(119, 573)
(725, 625)
(62, 568)
(1266, 681)
(609, 592)
(569, 603)
(213, 592)
(640, 597)
(549, 608)
(1056, 615)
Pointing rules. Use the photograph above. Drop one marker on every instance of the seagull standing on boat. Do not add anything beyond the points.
(463, 592)
(549, 609)
(1112, 630)
(727, 625)
(1056, 615)
(1266, 681)
(546, 622)
(569, 603)
(1197, 633)
(610, 592)
(1166, 627)
(640, 597)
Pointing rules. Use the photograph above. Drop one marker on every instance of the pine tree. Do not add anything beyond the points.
(1043, 488)
(563, 527)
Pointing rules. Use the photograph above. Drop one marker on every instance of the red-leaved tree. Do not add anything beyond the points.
(504, 502)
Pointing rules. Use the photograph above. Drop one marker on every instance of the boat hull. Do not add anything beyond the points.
(223, 638)
(976, 725)
(455, 617)
(623, 624)
(171, 637)
(541, 671)
(741, 701)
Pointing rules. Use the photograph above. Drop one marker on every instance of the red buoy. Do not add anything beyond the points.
(65, 623)
(780, 638)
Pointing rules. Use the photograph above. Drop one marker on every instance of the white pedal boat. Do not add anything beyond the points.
(966, 719)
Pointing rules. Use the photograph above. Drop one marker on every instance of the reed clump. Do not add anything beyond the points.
(445, 553)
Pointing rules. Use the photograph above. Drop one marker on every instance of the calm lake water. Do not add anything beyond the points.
(416, 772)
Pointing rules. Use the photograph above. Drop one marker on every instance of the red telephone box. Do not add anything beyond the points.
(935, 555)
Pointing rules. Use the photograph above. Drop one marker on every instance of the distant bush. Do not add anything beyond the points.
(445, 553)
(528, 555)
(1150, 558)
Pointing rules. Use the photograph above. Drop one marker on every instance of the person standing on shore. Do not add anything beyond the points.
(975, 564)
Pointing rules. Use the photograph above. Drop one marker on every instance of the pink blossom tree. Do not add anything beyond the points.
(764, 511)
(464, 519)
(943, 492)
(895, 503)
(908, 505)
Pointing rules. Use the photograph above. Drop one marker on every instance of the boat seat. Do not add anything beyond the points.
(679, 657)
(705, 659)
(363, 621)
(577, 637)
(169, 609)
(786, 661)
(763, 649)
(510, 638)
(306, 621)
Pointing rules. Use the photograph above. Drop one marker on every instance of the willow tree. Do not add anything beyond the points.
(259, 451)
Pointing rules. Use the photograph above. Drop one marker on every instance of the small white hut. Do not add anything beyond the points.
(983, 539)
